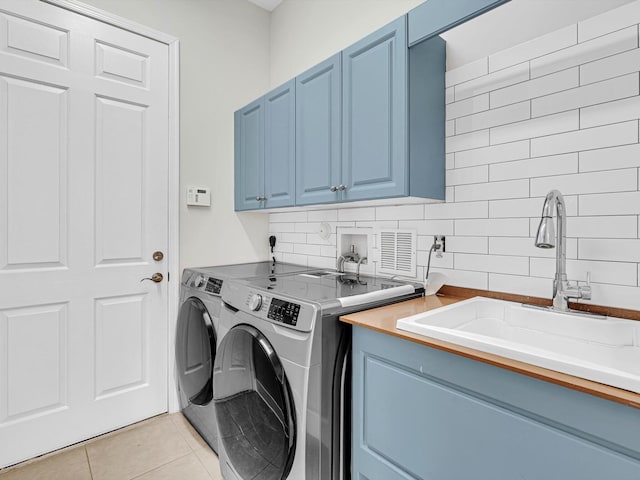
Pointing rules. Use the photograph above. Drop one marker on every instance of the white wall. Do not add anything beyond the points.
(561, 111)
(305, 32)
(224, 62)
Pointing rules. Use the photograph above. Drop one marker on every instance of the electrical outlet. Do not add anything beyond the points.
(440, 240)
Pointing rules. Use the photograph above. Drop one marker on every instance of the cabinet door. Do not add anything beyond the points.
(249, 156)
(318, 113)
(375, 115)
(279, 146)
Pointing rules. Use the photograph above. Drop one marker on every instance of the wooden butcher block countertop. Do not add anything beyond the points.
(383, 319)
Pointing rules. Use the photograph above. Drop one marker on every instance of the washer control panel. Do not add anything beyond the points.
(284, 312)
(214, 285)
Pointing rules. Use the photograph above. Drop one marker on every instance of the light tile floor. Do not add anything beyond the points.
(161, 448)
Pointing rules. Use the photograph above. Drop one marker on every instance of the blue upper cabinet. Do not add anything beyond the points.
(279, 143)
(374, 143)
(436, 16)
(318, 131)
(265, 151)
(249, 156)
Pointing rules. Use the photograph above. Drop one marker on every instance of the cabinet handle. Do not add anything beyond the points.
(334, 188)
(258, 199)
(261, 199)
(342, 187)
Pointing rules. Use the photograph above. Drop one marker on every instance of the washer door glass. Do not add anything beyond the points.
(195, 351)
(254, 406)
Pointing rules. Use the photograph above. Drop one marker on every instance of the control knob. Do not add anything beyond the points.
(255, 302)
(199, 281)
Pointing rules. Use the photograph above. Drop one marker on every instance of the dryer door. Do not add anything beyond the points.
(254, 406)
(195, 352)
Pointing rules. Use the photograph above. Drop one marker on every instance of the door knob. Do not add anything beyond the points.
(156, 277)
(157, 256)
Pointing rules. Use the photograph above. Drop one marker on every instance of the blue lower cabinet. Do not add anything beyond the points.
(420, 413)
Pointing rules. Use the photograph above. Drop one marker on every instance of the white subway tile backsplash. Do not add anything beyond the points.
(400, 212)
(609, 249)
(450, 128)
(295, 258)
(610, 21)
(437, 211)
(328, 251)
(428, 227)
(467, 72)
(535, 287)
(498, 227)
(321, 262)
(449, 95)
(537, 127)
(627, 203)
(555, 82)
(293, 237)
(525, 246)
(287, 217)
(450, 160)
(312, 227)
(493, 190)
(492, 263)
(493, 154)
(356, 214)
(378, 224)
(323, 215)
(534, 167)
(467, 244)
(493, 81)
(463, 176)
(615, 295)
(587, 139)
(306, 249)
(618, 226)
(446, 261)
(557, 40)
(476, 104)
(493, 118)
(595, 49)
(616, 273)
(612, 112)
(527, 207)
(627, 156)
(609, 67)
(467, 141)
(583, 183)
(283, 247)
(282, 227)
(501, 163)
(592, 94)
(466, 279)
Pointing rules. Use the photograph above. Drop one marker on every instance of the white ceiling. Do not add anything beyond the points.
(267, 4)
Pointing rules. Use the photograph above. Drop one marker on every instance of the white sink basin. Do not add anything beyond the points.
(605, 350)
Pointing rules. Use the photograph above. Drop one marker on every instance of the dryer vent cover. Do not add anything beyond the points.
(398, 252)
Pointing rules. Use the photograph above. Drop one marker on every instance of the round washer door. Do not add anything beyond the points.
(195, 351)
(254, 406)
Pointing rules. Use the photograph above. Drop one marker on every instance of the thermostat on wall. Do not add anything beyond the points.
(199, 196)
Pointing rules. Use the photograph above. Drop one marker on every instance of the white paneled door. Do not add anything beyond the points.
(83, 207)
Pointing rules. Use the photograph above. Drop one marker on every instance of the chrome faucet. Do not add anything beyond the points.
(563, 289)
(352, 256)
